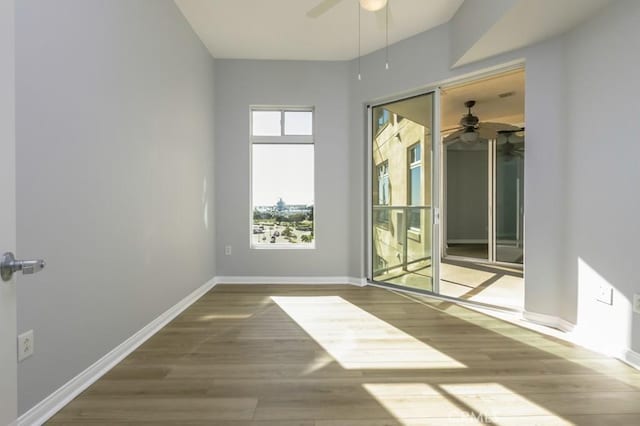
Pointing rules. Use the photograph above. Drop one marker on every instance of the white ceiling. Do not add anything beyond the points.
(280, 29)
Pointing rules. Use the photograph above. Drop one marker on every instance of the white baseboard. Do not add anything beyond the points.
(290, 280)
(549, 321)
(580, 336)
(632, 358)
(46, 408)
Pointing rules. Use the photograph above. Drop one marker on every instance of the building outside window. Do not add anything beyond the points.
(415, 186)
(384, 195)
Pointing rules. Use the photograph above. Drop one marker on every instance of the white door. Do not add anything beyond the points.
(8, 341)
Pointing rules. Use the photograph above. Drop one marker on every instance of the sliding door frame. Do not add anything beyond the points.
(434, 91)
(492, 238)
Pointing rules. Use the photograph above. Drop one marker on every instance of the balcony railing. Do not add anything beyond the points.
(401, 238)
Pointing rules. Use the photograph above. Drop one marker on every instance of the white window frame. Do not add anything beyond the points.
(281, 140)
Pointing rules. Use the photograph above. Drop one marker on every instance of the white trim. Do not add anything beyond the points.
(290, 280)
(631, 357)
(53, 403)
(436, 185)
(549, 321)
(579, 336)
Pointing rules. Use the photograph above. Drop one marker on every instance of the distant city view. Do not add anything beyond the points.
(283, 223)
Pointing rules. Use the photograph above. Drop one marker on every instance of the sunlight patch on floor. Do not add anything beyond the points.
(352, 336)
(408, 402)
(500, 402)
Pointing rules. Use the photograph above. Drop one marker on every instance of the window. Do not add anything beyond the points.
(282, 170)
(415, 186)
(384, 196)
(382, 117)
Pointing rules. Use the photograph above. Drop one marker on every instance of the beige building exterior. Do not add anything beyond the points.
(401, 191)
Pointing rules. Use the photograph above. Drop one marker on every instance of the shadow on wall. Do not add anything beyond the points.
(205, 204)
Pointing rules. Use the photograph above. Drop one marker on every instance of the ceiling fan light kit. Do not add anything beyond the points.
(373, 5)
(469, 135)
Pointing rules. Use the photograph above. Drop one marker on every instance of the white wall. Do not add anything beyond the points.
(324, 85)
(114, 176)
(603, 173)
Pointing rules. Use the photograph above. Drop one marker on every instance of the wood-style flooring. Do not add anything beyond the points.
(340, 355)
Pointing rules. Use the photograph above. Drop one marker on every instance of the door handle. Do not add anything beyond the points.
(9, 265)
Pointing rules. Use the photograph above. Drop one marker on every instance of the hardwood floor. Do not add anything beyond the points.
(340, 355)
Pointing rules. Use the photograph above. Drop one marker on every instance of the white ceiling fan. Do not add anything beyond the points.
(380, 7)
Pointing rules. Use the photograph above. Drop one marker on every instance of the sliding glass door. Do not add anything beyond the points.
(466, 199)
(402, 193)
(483, 199)
(509, 197)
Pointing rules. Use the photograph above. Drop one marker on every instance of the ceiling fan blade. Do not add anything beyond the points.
(489, 130)
(322, 8)
(381, 17)
(453, 137)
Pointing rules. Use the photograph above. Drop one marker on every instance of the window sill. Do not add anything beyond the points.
(283, 246)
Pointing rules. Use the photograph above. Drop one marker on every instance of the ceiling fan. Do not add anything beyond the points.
(508, 149)
(379, 7)
(471, 129)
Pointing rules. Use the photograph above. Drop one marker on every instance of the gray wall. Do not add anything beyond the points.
(603, 173)
(467, 196)
(114, 176)
(324, 85)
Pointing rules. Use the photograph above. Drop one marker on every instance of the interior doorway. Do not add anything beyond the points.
(483, 153)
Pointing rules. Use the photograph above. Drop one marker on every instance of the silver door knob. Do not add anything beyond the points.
(9, 265)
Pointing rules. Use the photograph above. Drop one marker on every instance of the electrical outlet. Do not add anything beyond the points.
(227, 250)
(25, 345)
(605, 294)
(636, 303)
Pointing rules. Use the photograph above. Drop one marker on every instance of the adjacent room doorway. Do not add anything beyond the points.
(483, 176)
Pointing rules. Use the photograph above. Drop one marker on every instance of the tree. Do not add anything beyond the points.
(287, 232)
(297, 217)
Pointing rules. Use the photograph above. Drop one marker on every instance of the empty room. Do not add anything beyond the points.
(319, 212)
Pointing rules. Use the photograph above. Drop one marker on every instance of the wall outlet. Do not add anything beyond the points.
(227, 250)
(25, 345)
(605, 294)
(636, 303)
